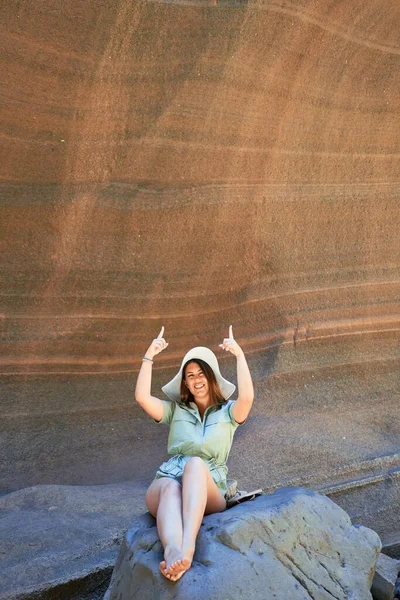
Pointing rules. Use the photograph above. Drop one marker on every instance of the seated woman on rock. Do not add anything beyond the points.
(202, 423)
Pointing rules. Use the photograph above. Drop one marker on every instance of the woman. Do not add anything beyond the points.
(202, 423)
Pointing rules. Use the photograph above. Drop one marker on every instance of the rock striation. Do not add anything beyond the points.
(294, 544)
(196, 164)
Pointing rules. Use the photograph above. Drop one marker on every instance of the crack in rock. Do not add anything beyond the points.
(307, 577)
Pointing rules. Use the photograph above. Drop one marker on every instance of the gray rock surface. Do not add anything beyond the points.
(371, 500)
(293, 544)
(391, 544)
(61, 542)
(385, 578)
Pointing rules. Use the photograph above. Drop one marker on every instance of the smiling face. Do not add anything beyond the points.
(199, 384)
(196, 381)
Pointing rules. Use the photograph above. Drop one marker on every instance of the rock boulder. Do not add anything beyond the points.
(293, 544)
(386, 583)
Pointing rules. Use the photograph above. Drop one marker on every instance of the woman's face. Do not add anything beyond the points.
(196, 381)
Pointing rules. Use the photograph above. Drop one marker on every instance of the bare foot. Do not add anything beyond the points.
(172, 557)
(181, 566)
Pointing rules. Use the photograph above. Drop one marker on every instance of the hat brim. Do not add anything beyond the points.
(173, 388)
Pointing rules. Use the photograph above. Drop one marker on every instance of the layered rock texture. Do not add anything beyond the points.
(197, 164)
(293, 544)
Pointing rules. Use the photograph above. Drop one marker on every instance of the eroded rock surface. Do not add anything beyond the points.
(294, 544)
(61, 542)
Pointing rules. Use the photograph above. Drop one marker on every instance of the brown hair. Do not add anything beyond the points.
(216, 395)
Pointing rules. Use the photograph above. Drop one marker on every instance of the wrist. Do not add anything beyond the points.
(147, 358)
(149, 354)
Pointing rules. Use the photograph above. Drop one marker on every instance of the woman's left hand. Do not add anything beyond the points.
(230, 344)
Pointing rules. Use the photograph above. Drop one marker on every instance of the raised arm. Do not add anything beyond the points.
(150, 404)
(243, 404)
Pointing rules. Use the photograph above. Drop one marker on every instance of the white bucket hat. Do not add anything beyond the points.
(173, 388)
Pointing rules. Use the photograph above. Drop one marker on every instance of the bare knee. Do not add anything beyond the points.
(169, 487)
(165, 487)
(195, 463)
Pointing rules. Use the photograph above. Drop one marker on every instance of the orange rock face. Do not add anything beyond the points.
(194, 164)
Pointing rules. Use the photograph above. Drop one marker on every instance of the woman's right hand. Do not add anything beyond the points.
(157, 345)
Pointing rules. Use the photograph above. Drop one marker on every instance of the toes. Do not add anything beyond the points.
(165, 574)
(176, 569)
(178, 575)
(175, 566)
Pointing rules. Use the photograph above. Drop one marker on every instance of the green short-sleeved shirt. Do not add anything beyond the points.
(189, 435)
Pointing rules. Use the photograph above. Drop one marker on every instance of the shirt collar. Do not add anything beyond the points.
(212, 408)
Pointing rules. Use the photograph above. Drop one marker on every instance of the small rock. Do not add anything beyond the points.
(385, 578)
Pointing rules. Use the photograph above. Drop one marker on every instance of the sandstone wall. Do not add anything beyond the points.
(197, 164)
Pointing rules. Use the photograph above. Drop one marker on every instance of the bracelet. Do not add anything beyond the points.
(147, 359)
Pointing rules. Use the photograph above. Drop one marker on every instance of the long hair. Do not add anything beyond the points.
(216, 395)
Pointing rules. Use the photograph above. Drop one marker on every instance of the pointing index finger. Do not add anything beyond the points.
(230, 331)
(160, 335)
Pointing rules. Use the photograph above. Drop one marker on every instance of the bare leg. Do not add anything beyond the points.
(178, 533)
(200, 495)
(164, 501)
